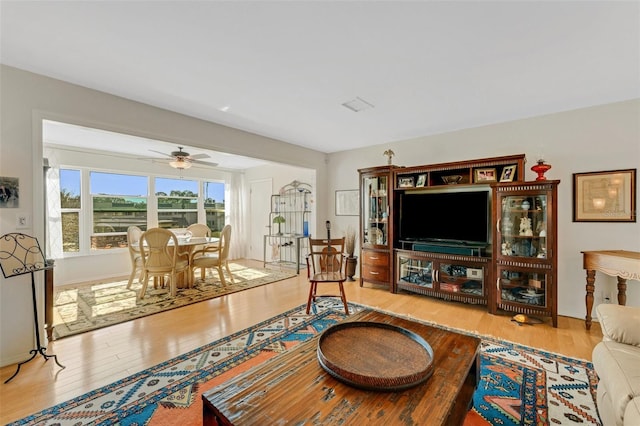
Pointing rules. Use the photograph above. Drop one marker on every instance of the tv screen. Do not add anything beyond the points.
(461, 217)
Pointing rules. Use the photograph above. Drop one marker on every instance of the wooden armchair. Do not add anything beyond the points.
(326, 265)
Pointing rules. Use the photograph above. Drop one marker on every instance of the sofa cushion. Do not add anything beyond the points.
(618, 366)
(632, 413)
(619, 323)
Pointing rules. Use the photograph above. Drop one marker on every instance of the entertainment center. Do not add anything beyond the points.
(469, 231)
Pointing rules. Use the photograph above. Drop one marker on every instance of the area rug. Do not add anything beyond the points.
(91, 306)
(518, 385)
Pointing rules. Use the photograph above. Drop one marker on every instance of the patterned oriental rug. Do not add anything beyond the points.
(91, 306)
(518, 385)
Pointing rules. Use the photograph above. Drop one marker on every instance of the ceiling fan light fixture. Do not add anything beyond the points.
(180, 163)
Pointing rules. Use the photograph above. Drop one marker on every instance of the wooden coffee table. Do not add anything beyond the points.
(294, 389)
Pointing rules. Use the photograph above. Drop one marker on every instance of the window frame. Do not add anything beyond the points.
(86, 213)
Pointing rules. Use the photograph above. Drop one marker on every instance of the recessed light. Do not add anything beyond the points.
(357, 104)
(225, 108)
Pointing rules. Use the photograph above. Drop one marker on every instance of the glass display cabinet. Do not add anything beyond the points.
(524, 248)
(376, 193)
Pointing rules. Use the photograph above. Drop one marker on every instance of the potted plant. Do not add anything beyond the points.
(349, 246)
(279, 220)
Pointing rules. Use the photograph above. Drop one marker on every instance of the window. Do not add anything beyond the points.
(118, 201)
(98, 207)
(214, 206)
(177, 202)
(70, 204)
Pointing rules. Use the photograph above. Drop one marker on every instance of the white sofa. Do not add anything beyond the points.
(616, 360)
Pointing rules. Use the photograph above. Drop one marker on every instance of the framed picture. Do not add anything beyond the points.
(608, 196)
(485, 175)
(508, 173)
(9, 192)
(422, 180)
(347, 203)
(405, 182)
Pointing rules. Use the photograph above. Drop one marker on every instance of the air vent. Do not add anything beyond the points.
(357, 105)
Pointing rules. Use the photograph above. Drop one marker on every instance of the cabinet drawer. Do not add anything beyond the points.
(375, 273)
(375, 258)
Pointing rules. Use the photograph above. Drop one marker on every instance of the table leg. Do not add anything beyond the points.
(591, 279)
(622, 291)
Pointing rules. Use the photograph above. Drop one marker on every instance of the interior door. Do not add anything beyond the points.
(259, 207)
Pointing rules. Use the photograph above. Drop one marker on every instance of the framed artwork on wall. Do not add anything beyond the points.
(347, 202)
(9, 192)
(607, 196)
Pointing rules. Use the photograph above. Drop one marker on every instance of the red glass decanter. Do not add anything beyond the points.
(541, 168)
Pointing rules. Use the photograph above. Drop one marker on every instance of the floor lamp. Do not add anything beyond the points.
(21, 254)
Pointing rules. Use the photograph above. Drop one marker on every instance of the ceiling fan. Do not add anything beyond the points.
(183, 160)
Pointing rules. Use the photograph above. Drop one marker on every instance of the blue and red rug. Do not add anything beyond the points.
(518, 385)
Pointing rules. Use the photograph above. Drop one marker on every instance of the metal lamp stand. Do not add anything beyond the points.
(21, 254)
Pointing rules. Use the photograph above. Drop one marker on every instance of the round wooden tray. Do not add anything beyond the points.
(375, 356)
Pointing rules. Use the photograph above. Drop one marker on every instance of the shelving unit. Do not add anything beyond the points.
(288, 226)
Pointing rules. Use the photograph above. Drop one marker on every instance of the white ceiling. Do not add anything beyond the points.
(283, 69)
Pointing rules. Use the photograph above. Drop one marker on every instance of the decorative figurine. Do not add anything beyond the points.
(525, 227)
(389, 153)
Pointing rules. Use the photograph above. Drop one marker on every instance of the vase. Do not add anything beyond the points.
(352, 262)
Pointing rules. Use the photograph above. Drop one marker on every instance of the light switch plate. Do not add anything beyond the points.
(23, 221)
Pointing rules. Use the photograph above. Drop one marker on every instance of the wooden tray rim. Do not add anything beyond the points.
(400, 383)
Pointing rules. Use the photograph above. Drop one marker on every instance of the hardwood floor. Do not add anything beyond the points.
(103, 356)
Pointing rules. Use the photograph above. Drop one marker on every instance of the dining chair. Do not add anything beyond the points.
(199, 230)
(213, 257)
(161, 257)
(326, 265)
(133, 240)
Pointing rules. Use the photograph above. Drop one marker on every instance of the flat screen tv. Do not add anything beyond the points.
(451, 217)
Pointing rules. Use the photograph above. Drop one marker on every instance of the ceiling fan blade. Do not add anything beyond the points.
(162, 153)
(199, 156)
(204, 163)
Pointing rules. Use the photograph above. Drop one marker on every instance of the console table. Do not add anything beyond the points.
(623, 264)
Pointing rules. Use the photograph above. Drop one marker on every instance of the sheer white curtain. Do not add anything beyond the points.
(53, 241)
(238, 216)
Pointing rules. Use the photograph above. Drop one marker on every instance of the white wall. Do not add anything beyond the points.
(600, 138)
(27, 98)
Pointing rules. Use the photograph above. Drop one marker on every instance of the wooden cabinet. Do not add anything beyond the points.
(453, 277)
(503, 257)
(376, 229)
(525, 247)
